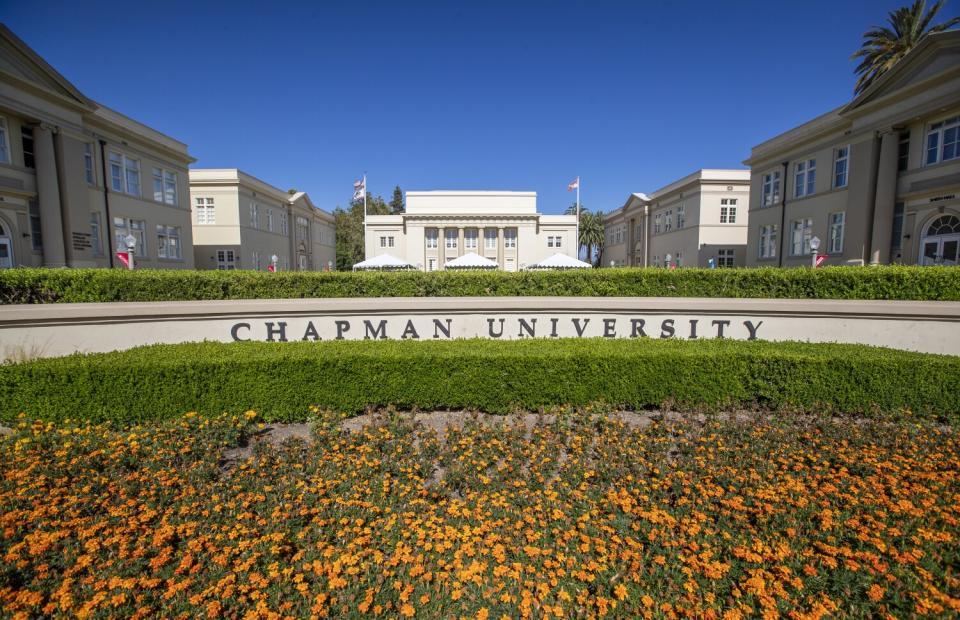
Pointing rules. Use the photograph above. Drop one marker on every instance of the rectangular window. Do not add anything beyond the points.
(97, 245)
(656, 224)
(205, 211)
(123, 227)
(26, 139)
(678, 261)
(725, 258)
(840, 165)
(668, 221)
(903, 151)
(284, 226)
(556, 241)
(36, 235)
(168, 242)
(431, 236)
(4, 142)
(835, 240)
(386, 241)
(452, 237)
(88, 163)
(771, 189)
(226, 260)
(165, 186)
(470, 239)
(432, 264)
(804, 179)
(943, 141)
(124, 174)
(768, 241)
(490, 239)
(270, 220)
(254, 215)
(681, 217)
(255, 260)
(302, 230)
(728, 211)
(800, 233)
(896, 235)
(510, 238)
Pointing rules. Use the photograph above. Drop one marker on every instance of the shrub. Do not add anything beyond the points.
(281, 380)
(25, 286)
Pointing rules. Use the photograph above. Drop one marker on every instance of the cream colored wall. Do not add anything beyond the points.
(471, 203)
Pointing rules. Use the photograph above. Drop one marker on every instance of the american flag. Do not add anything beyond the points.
(574, 184)
(359, 188)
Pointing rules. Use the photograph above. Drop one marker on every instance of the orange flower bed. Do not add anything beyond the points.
(579, 516)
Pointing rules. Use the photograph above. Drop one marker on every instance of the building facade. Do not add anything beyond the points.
(688, 223)
(439, 226)
(876, 180)
(76, 178)
(240, 222)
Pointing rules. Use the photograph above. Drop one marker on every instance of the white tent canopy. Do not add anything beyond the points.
(471, 260)
(560, 261)
(383, 262)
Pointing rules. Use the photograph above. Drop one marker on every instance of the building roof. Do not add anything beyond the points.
(714, 175)
(234, 176)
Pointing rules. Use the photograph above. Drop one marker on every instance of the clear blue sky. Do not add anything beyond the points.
(520, 95)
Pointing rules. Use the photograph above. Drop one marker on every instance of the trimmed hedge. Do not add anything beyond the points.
(282, 380)
(27, 286)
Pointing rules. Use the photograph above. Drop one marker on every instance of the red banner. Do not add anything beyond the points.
(124, 258)
(820, 259)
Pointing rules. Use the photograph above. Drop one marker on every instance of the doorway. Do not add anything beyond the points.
(941, 243)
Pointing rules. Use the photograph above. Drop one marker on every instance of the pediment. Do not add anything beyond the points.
(22, 63)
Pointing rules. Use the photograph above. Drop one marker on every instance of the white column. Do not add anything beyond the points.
(48, 195)
(885, 200)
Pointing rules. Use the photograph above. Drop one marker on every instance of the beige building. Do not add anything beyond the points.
(240, 222)
(876, 180)
(76, 177)
(700, 217)
(439, 226)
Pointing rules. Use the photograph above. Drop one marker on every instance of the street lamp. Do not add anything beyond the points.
(814, 246)
(668, 258)
(273, 262)
(131, 242)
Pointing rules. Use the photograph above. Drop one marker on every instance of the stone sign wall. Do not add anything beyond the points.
(60, 329)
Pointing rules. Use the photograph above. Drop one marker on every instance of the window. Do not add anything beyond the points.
(123, 227)
(124, 174)
(728, 211)
(431, 238)
(678, 261)
(800, 236)
(26, 139)
(205, 211)
(302, 230)
(255, 260)
(36, 235)
(681, 217)
(254, 215)
(490, 239)
(903, 151)
(270, 220)
(4, 142)
(432, 264)
(510, 238)
(896, 235)
(284, 226)
(835, 236)
(840, 166)
(168, 242)
(771, 189)
(943, 141)
(725, 258)
(553, 241)
(97, 246)
(804, 178)
(88, 163)
(656, 224)
(165, 186)
(470, 239)
(768, 241)
(386, 241)
(668, 221)
(226, 260)
(656, 260)
(451, 238)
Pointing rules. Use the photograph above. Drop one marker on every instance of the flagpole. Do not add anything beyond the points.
(364, 216)
(577, 241)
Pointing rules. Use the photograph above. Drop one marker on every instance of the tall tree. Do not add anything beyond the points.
(350, 229)
(396, 204)
(884, 46)
(589, 239)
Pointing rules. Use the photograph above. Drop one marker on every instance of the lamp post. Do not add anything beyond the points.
(668, 258)
(273, 261)
(814, 246)
(131, 242)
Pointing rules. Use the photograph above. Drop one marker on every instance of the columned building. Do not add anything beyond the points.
(876, 180)
(241, 222)
(439, 226)
(688, 223)
(77, 178)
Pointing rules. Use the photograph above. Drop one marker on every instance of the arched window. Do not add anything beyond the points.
(944, 225)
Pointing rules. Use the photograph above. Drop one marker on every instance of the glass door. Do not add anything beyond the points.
(941, 251)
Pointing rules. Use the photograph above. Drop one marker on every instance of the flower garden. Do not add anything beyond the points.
(580, 514)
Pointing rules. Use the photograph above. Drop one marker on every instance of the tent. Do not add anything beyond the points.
(470, 261)
(383, 262)
(560, 261)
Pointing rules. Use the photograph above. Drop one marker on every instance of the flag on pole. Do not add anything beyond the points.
(360, 188)
(124, 258)
(574, 184)
(820, 259)
(271, 268)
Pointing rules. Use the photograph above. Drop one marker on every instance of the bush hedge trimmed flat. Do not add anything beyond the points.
(21, 286)
(282, 380)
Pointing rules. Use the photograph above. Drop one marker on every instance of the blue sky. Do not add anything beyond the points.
(455, 95)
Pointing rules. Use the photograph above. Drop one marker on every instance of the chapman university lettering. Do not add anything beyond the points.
(502, 327)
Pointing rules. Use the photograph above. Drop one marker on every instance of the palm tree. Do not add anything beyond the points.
(591, 230)
(884, 46)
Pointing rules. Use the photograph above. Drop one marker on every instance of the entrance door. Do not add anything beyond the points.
(6, 253)
(302, 262)
(941, 244)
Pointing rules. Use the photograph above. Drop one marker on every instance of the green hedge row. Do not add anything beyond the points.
(18, 286)
(282, 380)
